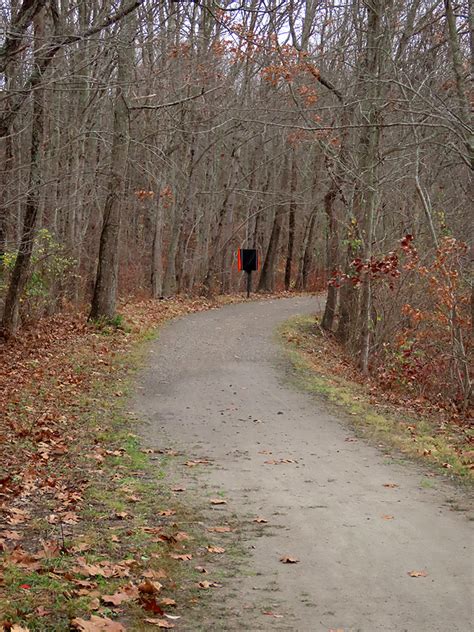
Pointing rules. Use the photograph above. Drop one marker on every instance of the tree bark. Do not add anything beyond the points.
(105, 290)
(20, 273)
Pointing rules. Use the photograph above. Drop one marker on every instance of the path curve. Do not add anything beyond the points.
(215, 386)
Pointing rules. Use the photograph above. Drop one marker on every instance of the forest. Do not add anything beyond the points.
(143, 142)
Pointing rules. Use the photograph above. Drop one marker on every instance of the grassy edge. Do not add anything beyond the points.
(45, 599)
(414, 437)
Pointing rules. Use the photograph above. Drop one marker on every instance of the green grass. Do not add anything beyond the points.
(301, 338)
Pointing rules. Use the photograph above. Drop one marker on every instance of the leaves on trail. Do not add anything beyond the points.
(97, 624)
(218, 501)
(388, 517)
(100, 569)
(205, 585)
(195, 462)
(260, 520)
(149, 587)
(178, 488)
(152, 574)
(128, 593)
(289, 560)
(391, 485)
(417, 573)
(215, 549)
(161, 623)
(167, 601)
(23, 559)
(17, 516)
(184, 557)
(201, 569)
(220, 529)
(167, 512)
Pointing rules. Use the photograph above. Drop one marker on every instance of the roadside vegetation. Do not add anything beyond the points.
(95, 536)
(417, 427)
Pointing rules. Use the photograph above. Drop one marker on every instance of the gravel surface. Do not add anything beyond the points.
(216, 387)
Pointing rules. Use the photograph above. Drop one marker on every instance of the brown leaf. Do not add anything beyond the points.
(218, 529)
(23, 559)
(391, 485)
(166, 601)
(218, 501)
(184, 557)
(289, 560)
(215, 549)
(152, 574)
(417, 573)
(149, 588)
(201, 569)
(121, 515)
(11, 535)
(129, 593)
(167, 512)
(97, 624)
(161, 623)
(387, 517)
(205, 585)
(182, 535)
(178, 489)
(260, 520)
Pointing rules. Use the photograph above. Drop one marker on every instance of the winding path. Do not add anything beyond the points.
(216, 386)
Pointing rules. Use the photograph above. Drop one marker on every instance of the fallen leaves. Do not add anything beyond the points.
(260, 520)
(218, 501)
(129, 593)
(205, 585)
(184, 557)
(417, 573)
(97, 624)
(391, 485)
(215, 549)
(100, 569)
(289, 560)
(388, 517)
(220, 529)
(161, 623)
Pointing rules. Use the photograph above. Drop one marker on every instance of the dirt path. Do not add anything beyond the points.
(216, 387)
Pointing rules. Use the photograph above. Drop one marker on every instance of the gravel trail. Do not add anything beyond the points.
(216, 387)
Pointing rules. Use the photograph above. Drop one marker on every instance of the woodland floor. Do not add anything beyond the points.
(177, 510)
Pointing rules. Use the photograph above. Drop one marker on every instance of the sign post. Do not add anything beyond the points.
(247, 260)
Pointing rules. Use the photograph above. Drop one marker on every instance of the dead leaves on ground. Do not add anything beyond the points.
(417, 573)
(97, 624)
(218, 501)
(289, 560)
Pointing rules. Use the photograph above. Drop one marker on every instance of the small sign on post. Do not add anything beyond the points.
(247, 261)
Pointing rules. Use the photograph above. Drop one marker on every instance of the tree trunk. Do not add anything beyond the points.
(267, 278)
(105, 290)
(20, 273)
(291, 226)
(157, 252)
